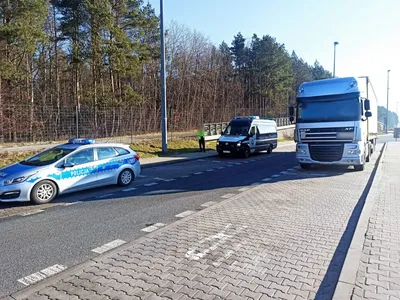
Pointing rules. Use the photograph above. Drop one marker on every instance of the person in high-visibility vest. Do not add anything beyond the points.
(202, 142)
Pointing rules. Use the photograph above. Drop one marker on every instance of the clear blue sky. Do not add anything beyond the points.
(368, 31)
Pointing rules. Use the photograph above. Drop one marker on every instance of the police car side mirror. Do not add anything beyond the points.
(67, 165)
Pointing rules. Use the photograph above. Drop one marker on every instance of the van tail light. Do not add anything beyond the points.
(137, 157)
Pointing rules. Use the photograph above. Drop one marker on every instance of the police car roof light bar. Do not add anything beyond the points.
(81, 141)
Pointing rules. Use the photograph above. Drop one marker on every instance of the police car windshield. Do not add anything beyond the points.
(237, 129)
(47, 157)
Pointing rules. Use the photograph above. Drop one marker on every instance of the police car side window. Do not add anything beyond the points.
(81, 157)
(104, 153)
(121, 151)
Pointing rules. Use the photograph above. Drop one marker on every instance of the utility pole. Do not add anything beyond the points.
(387, 103)
(334, 58)
(164, 135)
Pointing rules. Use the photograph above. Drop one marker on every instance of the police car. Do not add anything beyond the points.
(77, 165)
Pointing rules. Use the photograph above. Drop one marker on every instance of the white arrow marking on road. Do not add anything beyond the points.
(151, 184)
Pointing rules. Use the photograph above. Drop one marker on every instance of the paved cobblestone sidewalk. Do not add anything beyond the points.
(378, 275)
(279, 240)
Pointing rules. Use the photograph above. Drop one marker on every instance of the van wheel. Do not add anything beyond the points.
(43, 192)
(269, 151)
(246, 153)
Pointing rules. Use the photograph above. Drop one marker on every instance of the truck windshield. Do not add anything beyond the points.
(237, 128)
(330, 110)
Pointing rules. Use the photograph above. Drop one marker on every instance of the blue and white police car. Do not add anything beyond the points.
(77, 165)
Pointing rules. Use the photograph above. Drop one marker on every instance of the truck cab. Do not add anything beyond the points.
(335, 122)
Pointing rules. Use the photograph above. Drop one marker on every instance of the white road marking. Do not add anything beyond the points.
(142, 176)
(255, 184)
(201, 160)
(35, 277)
(151, 184)
(318, 174)
(72, 203)
(210, 170)
(32, 212)
(208, 204)
(129, 190)
(108, 246)
(228, 196)
(153, 227)
(252, 160)
(216, 161)
(266, 179)
(169, 180)
(185, 214)
(159, 178)
(275, 176)
(194, 253)
(220, 168)
(297, 167)
(243, 189)
(291, 170)
(198, 173)
(104, 196)
(284, 172)
(186, 176)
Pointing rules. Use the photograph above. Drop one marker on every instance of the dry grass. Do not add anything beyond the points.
(145, 149)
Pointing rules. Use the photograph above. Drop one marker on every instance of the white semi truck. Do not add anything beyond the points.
(336, 122)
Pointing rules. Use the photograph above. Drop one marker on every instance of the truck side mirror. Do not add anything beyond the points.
(367, 104)
(291, 111)
(368, 114)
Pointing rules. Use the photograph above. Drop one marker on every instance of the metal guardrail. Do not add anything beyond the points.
(214, 129)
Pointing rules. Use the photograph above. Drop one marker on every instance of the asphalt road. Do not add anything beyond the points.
(67, 234)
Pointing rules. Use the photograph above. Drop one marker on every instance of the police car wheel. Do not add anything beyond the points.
(125, 177)
(43, 192)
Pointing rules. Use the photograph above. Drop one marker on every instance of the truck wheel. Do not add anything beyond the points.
(369, 151)
(43, 192)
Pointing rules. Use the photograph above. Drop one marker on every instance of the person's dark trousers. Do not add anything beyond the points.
(202, 144)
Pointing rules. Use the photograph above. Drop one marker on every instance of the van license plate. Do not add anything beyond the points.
(226, 151)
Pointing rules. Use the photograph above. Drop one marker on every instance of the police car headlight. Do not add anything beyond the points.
(17, 180)
(239, 144)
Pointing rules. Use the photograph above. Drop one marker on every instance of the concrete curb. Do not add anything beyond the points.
(348, 274)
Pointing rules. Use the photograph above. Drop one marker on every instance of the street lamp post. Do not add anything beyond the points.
(387, 102)
(334, 57)
(164, 135)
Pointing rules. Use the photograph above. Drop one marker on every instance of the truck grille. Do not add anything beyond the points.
(326, 152)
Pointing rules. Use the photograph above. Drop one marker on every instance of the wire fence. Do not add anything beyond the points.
(39, 124)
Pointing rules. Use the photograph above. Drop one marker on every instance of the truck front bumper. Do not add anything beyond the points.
(351, 156)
